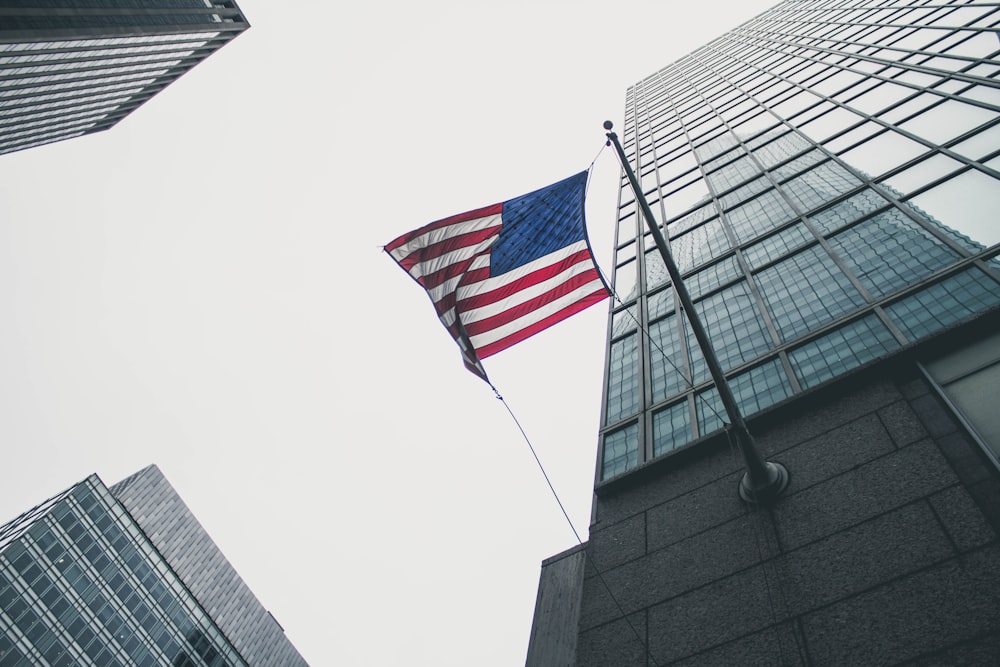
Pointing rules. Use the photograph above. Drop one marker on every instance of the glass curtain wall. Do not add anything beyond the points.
(80, 584)
(75, 67)
(828, 178)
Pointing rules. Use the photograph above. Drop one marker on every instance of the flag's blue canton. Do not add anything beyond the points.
(539, 223)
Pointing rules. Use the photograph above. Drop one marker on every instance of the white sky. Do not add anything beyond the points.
(202, 287)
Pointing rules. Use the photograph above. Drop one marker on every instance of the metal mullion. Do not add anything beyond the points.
(55, 113)
(910, 66)
(56, 89)
(91, 64)
(186, 40)
(130, 50)
(12, 131)
(54, 79)
(684, 363)
(607, 428)
(908, 52)
(887, 125)
(29, 102)
(866, 295)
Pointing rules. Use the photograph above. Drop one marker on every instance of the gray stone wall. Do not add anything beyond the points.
(884, 550)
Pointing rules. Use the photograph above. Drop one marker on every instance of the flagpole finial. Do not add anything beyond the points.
(608, 125)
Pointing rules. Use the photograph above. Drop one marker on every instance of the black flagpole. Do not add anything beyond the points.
(763, 481)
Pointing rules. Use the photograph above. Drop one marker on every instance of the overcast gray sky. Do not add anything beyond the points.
(202, 287)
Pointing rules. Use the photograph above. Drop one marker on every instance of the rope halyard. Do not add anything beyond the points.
(579, 540)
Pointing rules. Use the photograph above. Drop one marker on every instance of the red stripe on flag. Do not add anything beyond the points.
(506, 317)
(452, 243)
(432, 280)
(495, 209)
(533, 278)
(541, 325)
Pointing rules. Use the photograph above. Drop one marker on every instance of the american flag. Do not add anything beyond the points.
(502, 273)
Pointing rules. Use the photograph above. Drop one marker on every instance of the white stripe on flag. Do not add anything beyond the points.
(481, 340)
(443, 234)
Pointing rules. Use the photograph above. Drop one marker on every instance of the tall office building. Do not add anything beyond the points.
(74, 67)
(827, 177)
(126, 576)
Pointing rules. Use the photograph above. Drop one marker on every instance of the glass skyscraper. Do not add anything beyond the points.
(126, 576)
(74, 67)
(828, 175)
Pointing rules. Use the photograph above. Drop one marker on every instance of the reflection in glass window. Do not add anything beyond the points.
(759, 216)
(691, 220)
(625, 281)
(806, 291)
(756, 389)
(886, 151)
(947, 121)
(734, 326)
(776, 246)
(945, 303)
(621, 451)
(846, 212)
(656, 270)
(820, 185)
(666, 360)
(799, 164)
(924, 172)
(890, 251)
(623, 321)
(623, 379)
(660, 303)
(715, 276)
(671, 428)
(967, 203)
(733, 174)
(845, 348)
(699, 246)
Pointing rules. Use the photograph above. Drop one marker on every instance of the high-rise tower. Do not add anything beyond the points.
(126, 576)
(828, 176)
(74, 67)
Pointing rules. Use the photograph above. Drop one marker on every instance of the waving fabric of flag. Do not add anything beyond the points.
(502, 273)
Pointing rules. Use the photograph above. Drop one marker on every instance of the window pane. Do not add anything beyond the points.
(945, 303)
(890, 251)
(699, 246)
(671, 428)
(759, 216)
(968, 203)
(820, 185)
(623, 379)
(734, 326)
(666, 360)
(621, 451)
(845, 348)
(806, 291)
(778, 245)
(755, 390)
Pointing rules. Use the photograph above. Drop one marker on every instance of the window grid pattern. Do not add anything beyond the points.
(621, 451)
(847, 347)
(944, 303)
(45, 82)
(754, 390)
(889, 251)
(671, 428)
(623, 379)
(82, 585)
(855, 118)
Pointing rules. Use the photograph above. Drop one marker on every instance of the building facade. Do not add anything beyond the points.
(826, 175)
(126, 576)
(74, 67)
